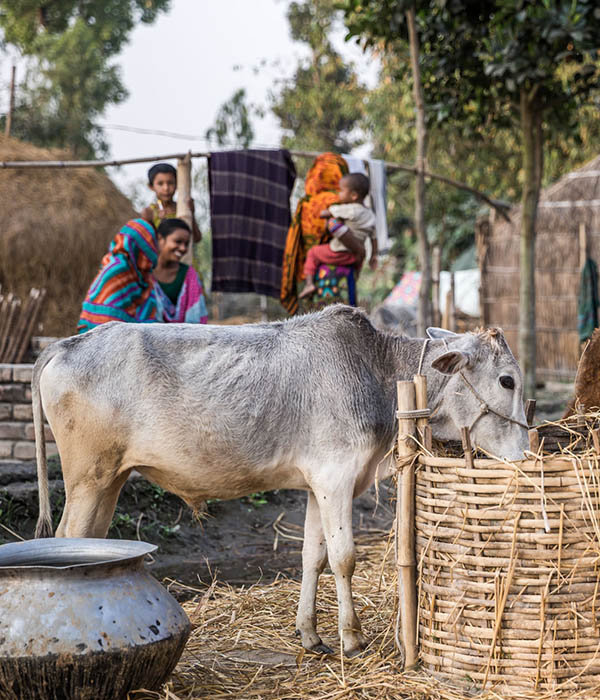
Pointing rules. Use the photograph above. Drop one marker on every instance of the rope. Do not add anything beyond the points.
(425, 342)
(415, 413)
(486, 408)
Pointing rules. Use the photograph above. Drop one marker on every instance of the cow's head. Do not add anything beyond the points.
(484, 391)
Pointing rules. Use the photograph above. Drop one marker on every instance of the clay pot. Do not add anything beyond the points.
(83, 619)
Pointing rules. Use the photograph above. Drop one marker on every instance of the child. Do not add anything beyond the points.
(162, 180)
(349, 215)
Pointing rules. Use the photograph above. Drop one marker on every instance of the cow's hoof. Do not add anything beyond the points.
(321, 649)
(351, 653)
(314, 644)
(355, 645)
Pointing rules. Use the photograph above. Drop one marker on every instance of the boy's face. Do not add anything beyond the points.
(164, 186)
(347, 194)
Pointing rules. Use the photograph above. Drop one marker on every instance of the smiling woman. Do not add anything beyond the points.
(179, 292)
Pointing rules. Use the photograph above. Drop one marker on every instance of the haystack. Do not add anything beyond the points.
(573, 200)
(56, 226)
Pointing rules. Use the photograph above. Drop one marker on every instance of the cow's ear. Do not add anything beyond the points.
(440, 333)
(451, 362)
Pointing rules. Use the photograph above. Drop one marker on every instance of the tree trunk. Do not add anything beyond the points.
(532, 145)
(424, 306)
(11, 102)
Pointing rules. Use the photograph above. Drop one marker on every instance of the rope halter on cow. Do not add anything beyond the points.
(484, 407)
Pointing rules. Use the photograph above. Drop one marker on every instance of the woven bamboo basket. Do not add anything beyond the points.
(507, 559)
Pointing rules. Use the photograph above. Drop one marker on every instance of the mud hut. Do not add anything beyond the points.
(55, 228)
(568, 221)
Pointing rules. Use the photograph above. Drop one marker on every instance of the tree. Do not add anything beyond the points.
(501, 63)
(233, 125)
(320, 106)
(69, 45)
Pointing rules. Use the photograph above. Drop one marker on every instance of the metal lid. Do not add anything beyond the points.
(66, 552)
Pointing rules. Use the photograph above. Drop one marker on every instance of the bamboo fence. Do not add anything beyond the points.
(568, 229)
(18, 322)
(508, 553)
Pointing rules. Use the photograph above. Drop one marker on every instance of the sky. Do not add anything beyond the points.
(180, 69)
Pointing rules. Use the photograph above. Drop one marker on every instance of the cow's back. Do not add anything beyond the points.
(244, 398)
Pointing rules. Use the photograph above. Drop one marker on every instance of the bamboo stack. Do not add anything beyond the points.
(18, 321)
(508, 559)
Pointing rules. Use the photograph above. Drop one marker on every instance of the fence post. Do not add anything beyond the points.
(184, 194)
(405, 523)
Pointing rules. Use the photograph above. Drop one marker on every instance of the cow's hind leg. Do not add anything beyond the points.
(314, 558)
(93, 482)
(335, 506)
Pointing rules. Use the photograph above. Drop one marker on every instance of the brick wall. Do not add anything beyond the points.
(17, 441)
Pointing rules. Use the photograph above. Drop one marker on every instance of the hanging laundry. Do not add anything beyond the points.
(355, 164)
(588, 300)
(378, 192)
(250, 215)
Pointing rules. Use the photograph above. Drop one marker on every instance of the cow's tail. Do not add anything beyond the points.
(43, 527)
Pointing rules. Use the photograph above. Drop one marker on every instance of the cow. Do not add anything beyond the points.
(222, 412)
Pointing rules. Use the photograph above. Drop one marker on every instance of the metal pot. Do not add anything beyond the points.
(83, 619)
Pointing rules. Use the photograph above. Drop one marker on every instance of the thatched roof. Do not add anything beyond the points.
(55, 228)
(563, 206)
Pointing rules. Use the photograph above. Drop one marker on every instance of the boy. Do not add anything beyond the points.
(349, 215)
(162, 180)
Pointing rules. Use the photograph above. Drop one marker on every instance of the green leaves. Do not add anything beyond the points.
(71, 78)
(320, 105)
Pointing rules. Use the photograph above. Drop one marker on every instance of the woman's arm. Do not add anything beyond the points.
(354, 245)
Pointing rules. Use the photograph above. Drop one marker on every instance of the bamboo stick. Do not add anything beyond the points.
(435, 284)
(530, 411)
(29, 330)
(19, 327)
(501, 207)
(184, 194)
(405, 525)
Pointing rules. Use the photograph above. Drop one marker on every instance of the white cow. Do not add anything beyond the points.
(222, 412)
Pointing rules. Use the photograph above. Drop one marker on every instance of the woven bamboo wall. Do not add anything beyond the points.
(573, 200)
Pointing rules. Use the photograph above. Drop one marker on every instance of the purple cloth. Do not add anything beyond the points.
(250, 216)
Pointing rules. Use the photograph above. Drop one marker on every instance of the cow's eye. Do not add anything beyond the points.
(507, 382)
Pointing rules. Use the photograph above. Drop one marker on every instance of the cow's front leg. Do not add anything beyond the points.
(335, 507)
(314, 558)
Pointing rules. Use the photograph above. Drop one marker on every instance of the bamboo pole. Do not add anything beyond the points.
(501, 207)
(184, 195)
(452, 315)
(530, 411)
(583, 244)
(435, 284)
(405, 524)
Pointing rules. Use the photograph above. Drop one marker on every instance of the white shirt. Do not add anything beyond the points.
(359, 220)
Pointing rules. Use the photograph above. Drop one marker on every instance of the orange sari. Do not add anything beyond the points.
(308, 229)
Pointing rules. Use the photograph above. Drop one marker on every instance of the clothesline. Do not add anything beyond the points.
(500, 207)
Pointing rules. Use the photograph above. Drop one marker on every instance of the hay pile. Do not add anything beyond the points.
(56, 226)
(243, 644)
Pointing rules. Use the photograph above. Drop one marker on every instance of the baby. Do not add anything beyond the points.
(349, 215)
